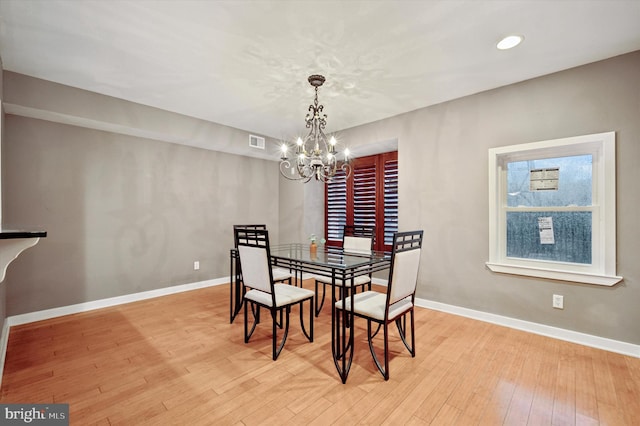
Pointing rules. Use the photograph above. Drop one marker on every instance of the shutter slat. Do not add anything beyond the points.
(336, 206)
(364, 196)
(390, 200)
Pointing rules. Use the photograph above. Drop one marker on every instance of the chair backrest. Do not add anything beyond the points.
(358, 239)
(357, 245)
(405, 261)
(246, 227)
(255, 258)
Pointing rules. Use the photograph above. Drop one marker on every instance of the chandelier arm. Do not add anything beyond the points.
(287, 166)
(346, 168)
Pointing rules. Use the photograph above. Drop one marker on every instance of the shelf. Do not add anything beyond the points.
(7, 234)
(13, 242)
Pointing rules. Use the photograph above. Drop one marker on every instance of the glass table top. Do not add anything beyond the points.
(333, 257)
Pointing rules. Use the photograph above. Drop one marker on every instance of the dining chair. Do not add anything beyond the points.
(396, 303)
(255, 257)
(356, 239)
(279, 274)
(237, 285)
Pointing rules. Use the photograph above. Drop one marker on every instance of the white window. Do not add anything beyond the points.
(552, 209)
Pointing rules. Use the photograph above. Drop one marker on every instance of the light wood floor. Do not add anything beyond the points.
(177, 360)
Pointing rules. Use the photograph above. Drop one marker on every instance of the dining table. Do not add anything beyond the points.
(339, 265)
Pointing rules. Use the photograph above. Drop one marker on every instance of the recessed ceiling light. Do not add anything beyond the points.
(509, 41)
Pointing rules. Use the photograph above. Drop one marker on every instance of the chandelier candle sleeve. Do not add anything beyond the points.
(315, 155)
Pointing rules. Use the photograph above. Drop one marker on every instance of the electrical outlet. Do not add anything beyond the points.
(196, 265)
(558, 301)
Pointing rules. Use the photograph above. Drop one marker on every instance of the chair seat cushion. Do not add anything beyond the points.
(359, 280)
(285, 295)
(281, 274)
(372, 304)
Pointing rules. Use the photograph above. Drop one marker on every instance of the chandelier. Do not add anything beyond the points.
(315, 156)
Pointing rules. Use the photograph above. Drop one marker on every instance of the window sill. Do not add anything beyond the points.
(604, 280)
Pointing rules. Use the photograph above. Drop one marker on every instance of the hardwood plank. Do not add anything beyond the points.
(586, 400)
(406, 409)
(627, 390)
(177, 360)
(436, 399)
(504, 388)
(564, 406)
(314, 410)
(544, 394)
(448, 415)
(520, 406)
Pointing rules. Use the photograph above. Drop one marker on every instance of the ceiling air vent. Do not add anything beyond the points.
(256, 142)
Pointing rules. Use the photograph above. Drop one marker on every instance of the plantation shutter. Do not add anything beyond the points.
(368, 198)
(364, 195)
(336, 208)
(390, 201)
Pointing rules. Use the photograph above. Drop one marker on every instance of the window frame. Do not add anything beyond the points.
(602, 270)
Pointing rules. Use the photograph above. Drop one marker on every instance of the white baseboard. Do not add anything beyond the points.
(112, 301)
(611, 345)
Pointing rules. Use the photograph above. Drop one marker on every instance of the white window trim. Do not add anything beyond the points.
(603, 269)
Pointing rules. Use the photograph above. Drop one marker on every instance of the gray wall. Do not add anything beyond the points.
(301, 210)
(444, 190)
(102, 209)
(3, 288)
(123, 214)
(292, 210)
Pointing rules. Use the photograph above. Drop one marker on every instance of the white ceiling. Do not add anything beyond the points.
(245, 63)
